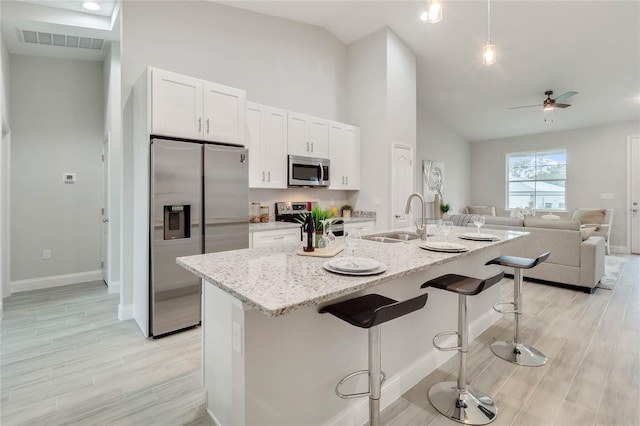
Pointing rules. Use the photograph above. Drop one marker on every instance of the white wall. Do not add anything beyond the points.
(5, 177)
(56, 127)
(439, 143)
(596, 164)
(278, 62)
(382, 101)
(113, 128)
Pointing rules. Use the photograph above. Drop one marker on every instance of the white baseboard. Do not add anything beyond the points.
(620, 249)
(113, 287)
(125, 312)
(55, 281)
(358, 412)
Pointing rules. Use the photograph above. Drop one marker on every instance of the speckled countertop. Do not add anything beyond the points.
(276, 281)
(274, 226)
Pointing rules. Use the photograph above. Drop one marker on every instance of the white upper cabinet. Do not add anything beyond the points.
(224, 109)
(267, 142)
(187, 107)
(308, 136)
(344, 153)
(176, 105)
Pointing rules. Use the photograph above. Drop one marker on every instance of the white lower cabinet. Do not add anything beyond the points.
(269, 238)
(364, 227)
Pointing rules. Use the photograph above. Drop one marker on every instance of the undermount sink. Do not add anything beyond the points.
(393, 237)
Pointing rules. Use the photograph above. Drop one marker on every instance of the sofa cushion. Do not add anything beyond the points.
(570, 225)
(503, 221)
(482, 210)
(589, 215)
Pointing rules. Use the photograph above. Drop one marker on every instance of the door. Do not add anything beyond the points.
(318, 137)
(176, 105)
(338, 151)
(298, 142)
(105, 211)
(176, 230)
(402, 176)
(226, 198)
(224, 113)
(255, 145)
(275, 148)
(634, 175)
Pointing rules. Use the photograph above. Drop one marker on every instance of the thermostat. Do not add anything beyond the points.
(69, 177)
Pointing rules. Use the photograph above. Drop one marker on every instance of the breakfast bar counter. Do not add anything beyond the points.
(270, 358)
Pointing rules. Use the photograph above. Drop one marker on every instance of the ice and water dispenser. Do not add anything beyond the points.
(177, 222)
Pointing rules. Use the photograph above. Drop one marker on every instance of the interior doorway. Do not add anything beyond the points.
(105, 211)
(633, 198)
(402, 177)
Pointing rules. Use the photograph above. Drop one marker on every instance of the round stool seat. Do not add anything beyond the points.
(518, 262)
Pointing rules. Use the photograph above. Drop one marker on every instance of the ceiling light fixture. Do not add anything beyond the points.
(489, 49)
(91, 5)
(433, 12)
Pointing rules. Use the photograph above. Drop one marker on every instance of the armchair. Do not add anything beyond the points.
(599, 220)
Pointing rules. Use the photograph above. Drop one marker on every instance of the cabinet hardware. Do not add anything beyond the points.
(311, 146)
(207, 125)
(278, 238)
(200, 124)
(397, 216)
(347, 179)
(269, 176)
(263, 175)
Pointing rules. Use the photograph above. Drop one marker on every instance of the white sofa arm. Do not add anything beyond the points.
(591, 261)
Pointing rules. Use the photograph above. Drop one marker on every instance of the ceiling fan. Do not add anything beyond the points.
(549, 104)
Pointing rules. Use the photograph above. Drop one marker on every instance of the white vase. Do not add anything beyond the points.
(346, 214)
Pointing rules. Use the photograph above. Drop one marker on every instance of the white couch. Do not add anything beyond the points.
(573, 261)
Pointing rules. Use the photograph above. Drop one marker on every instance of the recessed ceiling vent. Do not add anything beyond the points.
(48, 39)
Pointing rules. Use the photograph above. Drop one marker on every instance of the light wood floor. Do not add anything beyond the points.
(66, 359)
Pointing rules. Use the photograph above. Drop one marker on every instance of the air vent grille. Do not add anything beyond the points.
(48, 39)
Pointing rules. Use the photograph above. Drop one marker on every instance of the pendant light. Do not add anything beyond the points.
(433, 12)
(489, 49)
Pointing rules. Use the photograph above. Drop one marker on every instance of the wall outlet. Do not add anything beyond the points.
(46, 254)
(237, 338)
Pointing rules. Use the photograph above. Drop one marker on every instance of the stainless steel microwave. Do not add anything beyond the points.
(307, 171)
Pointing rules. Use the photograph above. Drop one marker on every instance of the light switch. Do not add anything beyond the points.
(69, 177)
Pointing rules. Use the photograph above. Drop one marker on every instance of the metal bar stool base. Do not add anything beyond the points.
(470, 407)
(517, 353)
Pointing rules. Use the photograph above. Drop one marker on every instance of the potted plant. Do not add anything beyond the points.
(318, 216)
(346, 211)
(444, 208)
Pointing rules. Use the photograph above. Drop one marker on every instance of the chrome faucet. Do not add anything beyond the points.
(422, 230)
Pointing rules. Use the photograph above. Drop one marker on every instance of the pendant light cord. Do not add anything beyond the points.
(489, 20)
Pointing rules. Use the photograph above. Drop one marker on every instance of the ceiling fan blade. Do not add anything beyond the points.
(565, 96)
(557, 105)
(528, 106)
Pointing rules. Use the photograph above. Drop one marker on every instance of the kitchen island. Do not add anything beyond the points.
(269, 358)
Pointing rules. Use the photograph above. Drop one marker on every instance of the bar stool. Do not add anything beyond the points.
(370, 311)
(515, 351)
(457, 400)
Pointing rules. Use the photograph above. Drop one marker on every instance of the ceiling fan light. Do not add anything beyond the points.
(91, 5)
(489, 53)
(434, 11)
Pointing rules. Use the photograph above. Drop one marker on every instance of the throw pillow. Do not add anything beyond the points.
(587, 232)
(482, 210)
(595, 216)
(550, 216)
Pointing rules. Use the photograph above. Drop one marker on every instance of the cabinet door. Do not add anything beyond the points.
(318, 131)
(176, 105)
(297, 141)
(338, 156)
(352, 157)
(275, 148)
(224, 113)
(255, 143)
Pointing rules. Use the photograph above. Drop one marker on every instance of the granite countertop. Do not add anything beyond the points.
(274, 226)
(276, 281)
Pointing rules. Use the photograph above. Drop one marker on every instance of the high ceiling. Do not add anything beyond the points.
(591, 47)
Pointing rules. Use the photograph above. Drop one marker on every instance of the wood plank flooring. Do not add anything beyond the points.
(66, 359)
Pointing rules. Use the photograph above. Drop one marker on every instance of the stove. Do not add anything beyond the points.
(290, 211)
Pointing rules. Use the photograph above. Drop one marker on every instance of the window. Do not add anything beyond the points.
(537, 180)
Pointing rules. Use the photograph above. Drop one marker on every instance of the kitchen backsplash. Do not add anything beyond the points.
(325, 198)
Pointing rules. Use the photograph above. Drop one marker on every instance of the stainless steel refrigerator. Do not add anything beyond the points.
(191, 181)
